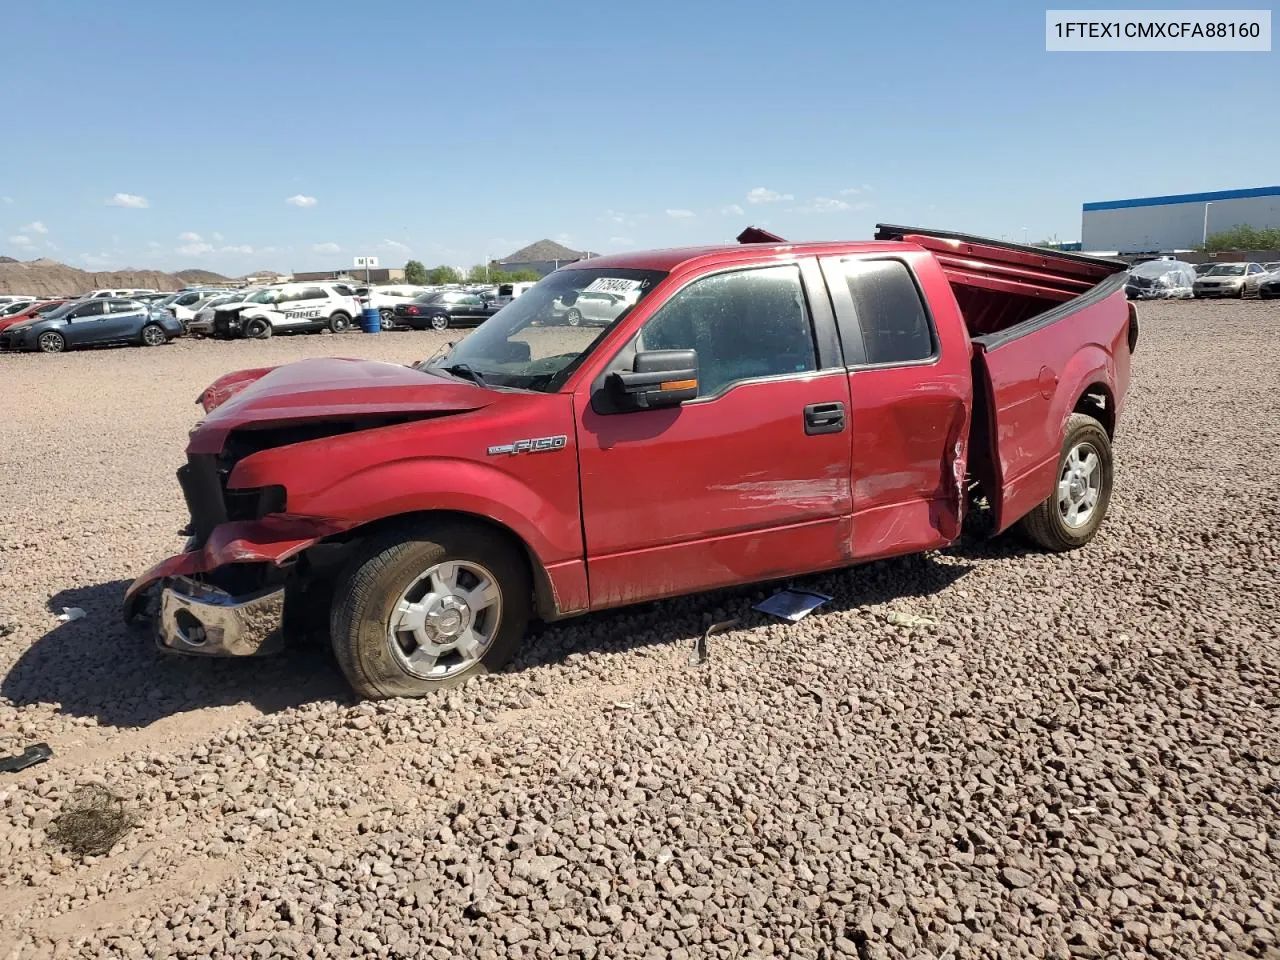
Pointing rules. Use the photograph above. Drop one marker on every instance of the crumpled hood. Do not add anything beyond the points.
(328, 388)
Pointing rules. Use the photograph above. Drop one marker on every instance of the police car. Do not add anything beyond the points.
(289, 308)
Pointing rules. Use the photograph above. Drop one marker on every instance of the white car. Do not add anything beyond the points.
(187, 304)
(202, 322)
(289, 308)
(117, 293)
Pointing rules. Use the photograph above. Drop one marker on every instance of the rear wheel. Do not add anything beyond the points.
(388, 317)
(440, 321)
(258, 329)
(428, 608)
(339, 323)
(574, 316)
(153, 335)
(52, 342)
(1071, 516)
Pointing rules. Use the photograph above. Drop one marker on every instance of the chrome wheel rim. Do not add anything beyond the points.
(50, 343)
(1079, 485)
(439, 323)
(154, 336)
(575, 318)
(445, 620)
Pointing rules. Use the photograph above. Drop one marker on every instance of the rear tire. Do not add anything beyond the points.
(574, 316)
(440, 322)
(258, 329)
(1062, 522)
(339, 323)
(388, 317)
(153, 335)
(381, 656)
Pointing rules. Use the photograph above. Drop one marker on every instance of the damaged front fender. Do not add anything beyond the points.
(274, 539)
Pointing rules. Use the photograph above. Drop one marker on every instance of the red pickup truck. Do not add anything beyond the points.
(752, 412)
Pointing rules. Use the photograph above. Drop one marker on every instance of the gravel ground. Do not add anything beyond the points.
(1081, 757)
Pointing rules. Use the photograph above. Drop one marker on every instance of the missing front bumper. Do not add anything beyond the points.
(195, 618)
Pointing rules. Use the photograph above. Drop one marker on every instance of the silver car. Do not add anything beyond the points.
(594, 308)
(1230, 280)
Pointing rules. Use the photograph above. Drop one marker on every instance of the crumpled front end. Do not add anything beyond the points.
(203, 620)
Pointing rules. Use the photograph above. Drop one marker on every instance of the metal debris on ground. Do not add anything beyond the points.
(70, 613)
(909, 619)
(792, 605)
(36, 753)
(700, 654)
(91, 821)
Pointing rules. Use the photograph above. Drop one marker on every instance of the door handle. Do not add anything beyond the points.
(824, 418)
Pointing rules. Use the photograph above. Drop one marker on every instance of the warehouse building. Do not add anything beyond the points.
(1179, 222)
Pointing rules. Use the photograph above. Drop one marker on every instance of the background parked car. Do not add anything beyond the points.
(29, 311)
(92, 322)
(288, 308)
(16, 306)
(1269, 286)
(1203, 268)
(186, 304)
(386, 299)
(202, 322)
(1230, 280)
(1160, 279)
(440, 311)
(592, 308)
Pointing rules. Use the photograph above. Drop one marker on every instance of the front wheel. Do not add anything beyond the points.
(258, 328)
(428, 608)
(52, 342)
(339, 323)
(574, 316)
(1071, 516)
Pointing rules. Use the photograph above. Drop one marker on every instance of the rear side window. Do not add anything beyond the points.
(312, 293)
(890, 314)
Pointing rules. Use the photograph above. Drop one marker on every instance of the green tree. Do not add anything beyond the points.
(1242, 237)
(442, 274)
(479, 274)
(415, 272)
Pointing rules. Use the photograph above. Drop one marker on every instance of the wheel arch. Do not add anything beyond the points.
(545, 601)
(1097, 401)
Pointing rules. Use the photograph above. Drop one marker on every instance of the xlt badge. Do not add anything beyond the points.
(536, 445)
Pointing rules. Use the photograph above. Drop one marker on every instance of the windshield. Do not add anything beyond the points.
(59, 311)
(1227, 270)
(536, 340)
(428, 297)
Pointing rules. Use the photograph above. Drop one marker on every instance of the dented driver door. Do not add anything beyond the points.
(746, 482)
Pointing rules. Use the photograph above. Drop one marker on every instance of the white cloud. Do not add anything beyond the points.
(680, 214)
(189, 237)
(326, 248)
(854, 191)
(128, 200)
(565, 237)
(35, 227)
(18, 240)
(51, 245)
(236, 248)
(195, 248)
(301, 200)
(6, 199)
(621, 242)
(613, 216)
(395, 246)
(824, 205)
(765, 195)
(217, 237)
(732, 210)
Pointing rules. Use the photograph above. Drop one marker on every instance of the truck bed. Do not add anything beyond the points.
(1003, 285)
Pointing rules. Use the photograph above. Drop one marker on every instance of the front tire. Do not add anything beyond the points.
(258, 329)
(427, 608)
(574, 316)
(339, 323)
(51, 342)
(1071, 516)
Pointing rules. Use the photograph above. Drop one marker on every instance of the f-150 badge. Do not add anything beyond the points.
(536, 445)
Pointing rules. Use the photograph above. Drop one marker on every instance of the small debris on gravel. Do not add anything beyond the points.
(91, 821)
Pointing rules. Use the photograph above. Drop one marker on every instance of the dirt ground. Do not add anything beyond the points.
(1078, 756)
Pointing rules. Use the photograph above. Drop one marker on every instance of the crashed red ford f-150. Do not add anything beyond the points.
(754, 412)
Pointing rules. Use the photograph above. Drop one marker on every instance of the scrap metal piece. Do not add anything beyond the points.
(792, 605)
(699, 654)
(36, 753)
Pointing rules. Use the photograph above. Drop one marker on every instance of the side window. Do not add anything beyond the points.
(471, 300)
(894, 325)
(93, 309)
(1254, 268)
(312, 293)
(745, 324)
(122, 306)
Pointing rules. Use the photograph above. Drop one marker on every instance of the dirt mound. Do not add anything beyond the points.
(49, 278)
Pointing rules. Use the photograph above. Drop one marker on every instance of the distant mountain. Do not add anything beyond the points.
(49, 278)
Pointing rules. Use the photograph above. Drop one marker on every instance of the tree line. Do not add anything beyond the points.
(417, 273)
(1241, 237)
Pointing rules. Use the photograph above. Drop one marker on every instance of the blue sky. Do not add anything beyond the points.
(168, 135)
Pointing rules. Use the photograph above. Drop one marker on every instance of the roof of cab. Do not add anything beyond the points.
(669, 258)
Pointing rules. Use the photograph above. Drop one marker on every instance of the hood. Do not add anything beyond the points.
(328, 388)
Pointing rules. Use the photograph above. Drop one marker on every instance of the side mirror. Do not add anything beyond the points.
(658, 378)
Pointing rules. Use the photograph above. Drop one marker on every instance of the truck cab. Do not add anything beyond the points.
(752, 412)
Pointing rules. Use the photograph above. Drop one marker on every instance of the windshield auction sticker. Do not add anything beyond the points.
(612, 285)
(1149, 31)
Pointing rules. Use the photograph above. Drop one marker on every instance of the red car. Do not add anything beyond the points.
(32, 311)
(756, 412)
